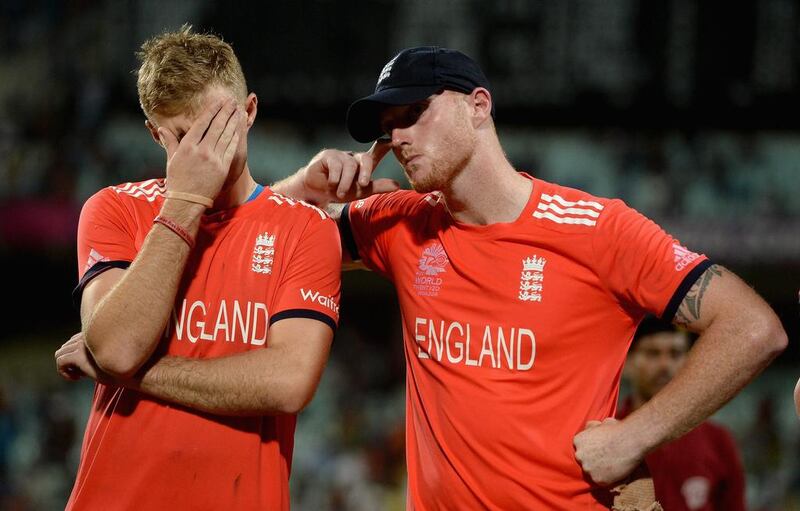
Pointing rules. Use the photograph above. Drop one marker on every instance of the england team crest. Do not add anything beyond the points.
(531, 280)
(263, 254)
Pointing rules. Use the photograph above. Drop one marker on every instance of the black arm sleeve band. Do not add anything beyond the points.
(346, 232)
(304, 313)
(686, 285)
(93, 272)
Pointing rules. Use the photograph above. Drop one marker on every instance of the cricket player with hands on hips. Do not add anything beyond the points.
(519, 300)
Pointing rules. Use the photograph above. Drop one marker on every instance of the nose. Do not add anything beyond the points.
(399, 136)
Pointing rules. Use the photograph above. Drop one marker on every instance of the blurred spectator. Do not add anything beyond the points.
(764, 454)
(701, 470)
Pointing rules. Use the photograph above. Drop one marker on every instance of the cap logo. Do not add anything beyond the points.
(386, 71)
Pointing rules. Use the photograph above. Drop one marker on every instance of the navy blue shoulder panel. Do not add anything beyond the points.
(346, 232)
(93, 272)
(686, 285)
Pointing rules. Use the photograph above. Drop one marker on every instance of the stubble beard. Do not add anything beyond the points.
(430, 182)
(457, 152)
(435, 178)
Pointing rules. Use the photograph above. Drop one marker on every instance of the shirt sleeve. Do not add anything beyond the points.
(105, 239)
(642, 265)
(370, 225)
(311, 283)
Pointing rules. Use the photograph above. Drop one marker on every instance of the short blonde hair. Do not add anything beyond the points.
(176, 67)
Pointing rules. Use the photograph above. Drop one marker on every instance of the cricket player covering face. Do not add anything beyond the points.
(208, 305)
(519, 300)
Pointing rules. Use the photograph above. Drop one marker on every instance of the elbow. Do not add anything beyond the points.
(771, 337)
(291, 407)
(778, 340)
(297, 398)
(119, 364)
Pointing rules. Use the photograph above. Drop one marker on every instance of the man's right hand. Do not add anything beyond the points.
(339, 176)
(199, 163)
(607, 451)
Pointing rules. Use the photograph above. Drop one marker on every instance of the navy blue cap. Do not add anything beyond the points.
(413, 75)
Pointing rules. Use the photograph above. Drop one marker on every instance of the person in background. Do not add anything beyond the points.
(702, 470)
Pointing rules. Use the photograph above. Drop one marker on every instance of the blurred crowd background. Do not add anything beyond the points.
(688, 110)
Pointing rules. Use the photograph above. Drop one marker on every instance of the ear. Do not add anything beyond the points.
(153, 129)
(251, 108)
(482, 105)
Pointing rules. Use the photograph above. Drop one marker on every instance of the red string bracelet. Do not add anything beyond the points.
(177, 229)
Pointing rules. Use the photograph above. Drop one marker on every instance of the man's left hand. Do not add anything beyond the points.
(605, 451)
(74, 361)
(339, 176)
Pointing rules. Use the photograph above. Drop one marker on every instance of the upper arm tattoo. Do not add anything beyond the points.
(689, 310)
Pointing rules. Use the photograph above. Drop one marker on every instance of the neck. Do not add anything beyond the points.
(237, 193)
(488, 190)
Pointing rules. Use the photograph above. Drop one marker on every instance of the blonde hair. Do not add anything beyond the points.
(176, 67)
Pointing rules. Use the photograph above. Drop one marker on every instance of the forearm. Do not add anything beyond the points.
(261, 382)
(294, 186)
(725, 358)
(338, 176)
(124, 328)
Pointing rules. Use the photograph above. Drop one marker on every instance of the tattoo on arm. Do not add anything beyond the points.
(689, 310)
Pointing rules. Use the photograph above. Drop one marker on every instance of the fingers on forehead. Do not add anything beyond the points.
(205, 118)
(380, 147)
